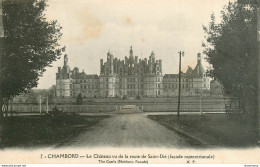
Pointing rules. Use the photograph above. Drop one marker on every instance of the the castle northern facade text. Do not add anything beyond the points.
(130, 77)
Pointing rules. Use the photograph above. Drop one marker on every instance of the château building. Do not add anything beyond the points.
(130, 77)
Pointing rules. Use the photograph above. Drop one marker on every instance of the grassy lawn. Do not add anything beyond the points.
(217, 130)
(36, 131)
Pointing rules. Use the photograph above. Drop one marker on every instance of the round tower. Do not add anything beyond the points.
(65, 60)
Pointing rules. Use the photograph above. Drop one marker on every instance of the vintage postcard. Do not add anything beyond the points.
(129, 82)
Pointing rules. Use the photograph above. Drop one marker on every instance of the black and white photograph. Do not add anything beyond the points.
(129, 74)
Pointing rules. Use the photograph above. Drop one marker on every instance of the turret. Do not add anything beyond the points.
(131, 53)
(101, 66)
(153, 57)
(136, 59)
(198, 58)
(111, 64)
(108, 56)
(160, 64)
(65, 60)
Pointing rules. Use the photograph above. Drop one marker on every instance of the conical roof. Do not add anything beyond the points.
(198, 71)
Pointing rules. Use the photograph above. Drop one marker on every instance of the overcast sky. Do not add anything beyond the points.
(92, 27)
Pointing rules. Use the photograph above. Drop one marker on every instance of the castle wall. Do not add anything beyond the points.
(131, 77)
(64, 88)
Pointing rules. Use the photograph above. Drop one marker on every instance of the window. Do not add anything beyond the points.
(159, 86)
(187, 85)
(107, 86)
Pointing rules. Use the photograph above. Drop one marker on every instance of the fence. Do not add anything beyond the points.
(147, 107)
(66, 108)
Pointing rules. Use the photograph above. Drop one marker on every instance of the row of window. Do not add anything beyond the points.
(176, 86)
(89, 86)
(86, 80)
(66, 94)
(176, 80)
(132, 86)
(183, 86)
(133, 93)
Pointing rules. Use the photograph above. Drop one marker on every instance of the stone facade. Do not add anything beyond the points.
(130, 77)
(193, 81)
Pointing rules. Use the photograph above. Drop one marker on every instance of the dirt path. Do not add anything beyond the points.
(123, 130)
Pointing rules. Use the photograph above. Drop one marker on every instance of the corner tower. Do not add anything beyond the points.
(63, 80)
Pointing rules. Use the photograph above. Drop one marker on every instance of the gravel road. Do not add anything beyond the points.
(128, 130)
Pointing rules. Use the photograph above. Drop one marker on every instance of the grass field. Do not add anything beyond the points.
(37, 131)
(216, 130)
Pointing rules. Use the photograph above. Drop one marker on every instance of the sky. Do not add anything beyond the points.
(93, 27)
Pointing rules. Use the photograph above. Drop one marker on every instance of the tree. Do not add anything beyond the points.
(79, 99)
(30, 44)
(231, 49)
(51, 93)
(31, 97)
